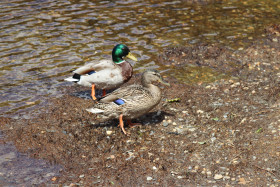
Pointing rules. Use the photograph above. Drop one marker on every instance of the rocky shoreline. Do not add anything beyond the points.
(223, 133)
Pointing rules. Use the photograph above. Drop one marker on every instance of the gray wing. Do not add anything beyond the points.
(95, 66)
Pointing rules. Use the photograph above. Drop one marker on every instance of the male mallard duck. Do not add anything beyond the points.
(106, 74)
(130, 102)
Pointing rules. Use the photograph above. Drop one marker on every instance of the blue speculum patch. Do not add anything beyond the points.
(119, 101)
(91, 72)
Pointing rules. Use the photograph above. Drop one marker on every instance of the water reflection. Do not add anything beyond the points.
(41, 41)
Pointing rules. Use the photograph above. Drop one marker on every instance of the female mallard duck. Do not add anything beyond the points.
(106, 74)
(130, 102)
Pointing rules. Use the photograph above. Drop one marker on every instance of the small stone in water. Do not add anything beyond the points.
(149, 178)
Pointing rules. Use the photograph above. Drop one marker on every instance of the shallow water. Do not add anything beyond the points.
(18, 169)
(42, 41)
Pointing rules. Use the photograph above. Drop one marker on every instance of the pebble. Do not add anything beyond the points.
(131, 155)
(112, 156)
(109, 132)
(178, 130)
(174, 109)
(235, 85)
(268, 169)
(218, 176)
(191, 129)
(213, 139)
(149, 178)
(226, 177)
(200, 111)
(143, 148)
(226, 90)
(211, 181)
(165, 123)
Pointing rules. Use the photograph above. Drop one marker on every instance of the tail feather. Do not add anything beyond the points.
(71, 79)
(76, 78)
(95, 110)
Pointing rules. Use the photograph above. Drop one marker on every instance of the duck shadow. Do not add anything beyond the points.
(86, 94)
(151, 118)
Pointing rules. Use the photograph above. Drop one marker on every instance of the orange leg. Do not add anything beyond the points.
(103, 93)
(130, 124)
(93, 92)
(121, 124)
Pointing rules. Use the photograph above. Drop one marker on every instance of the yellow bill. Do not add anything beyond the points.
(130, 56)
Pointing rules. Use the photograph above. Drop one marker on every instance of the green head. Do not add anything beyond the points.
(121, 51)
